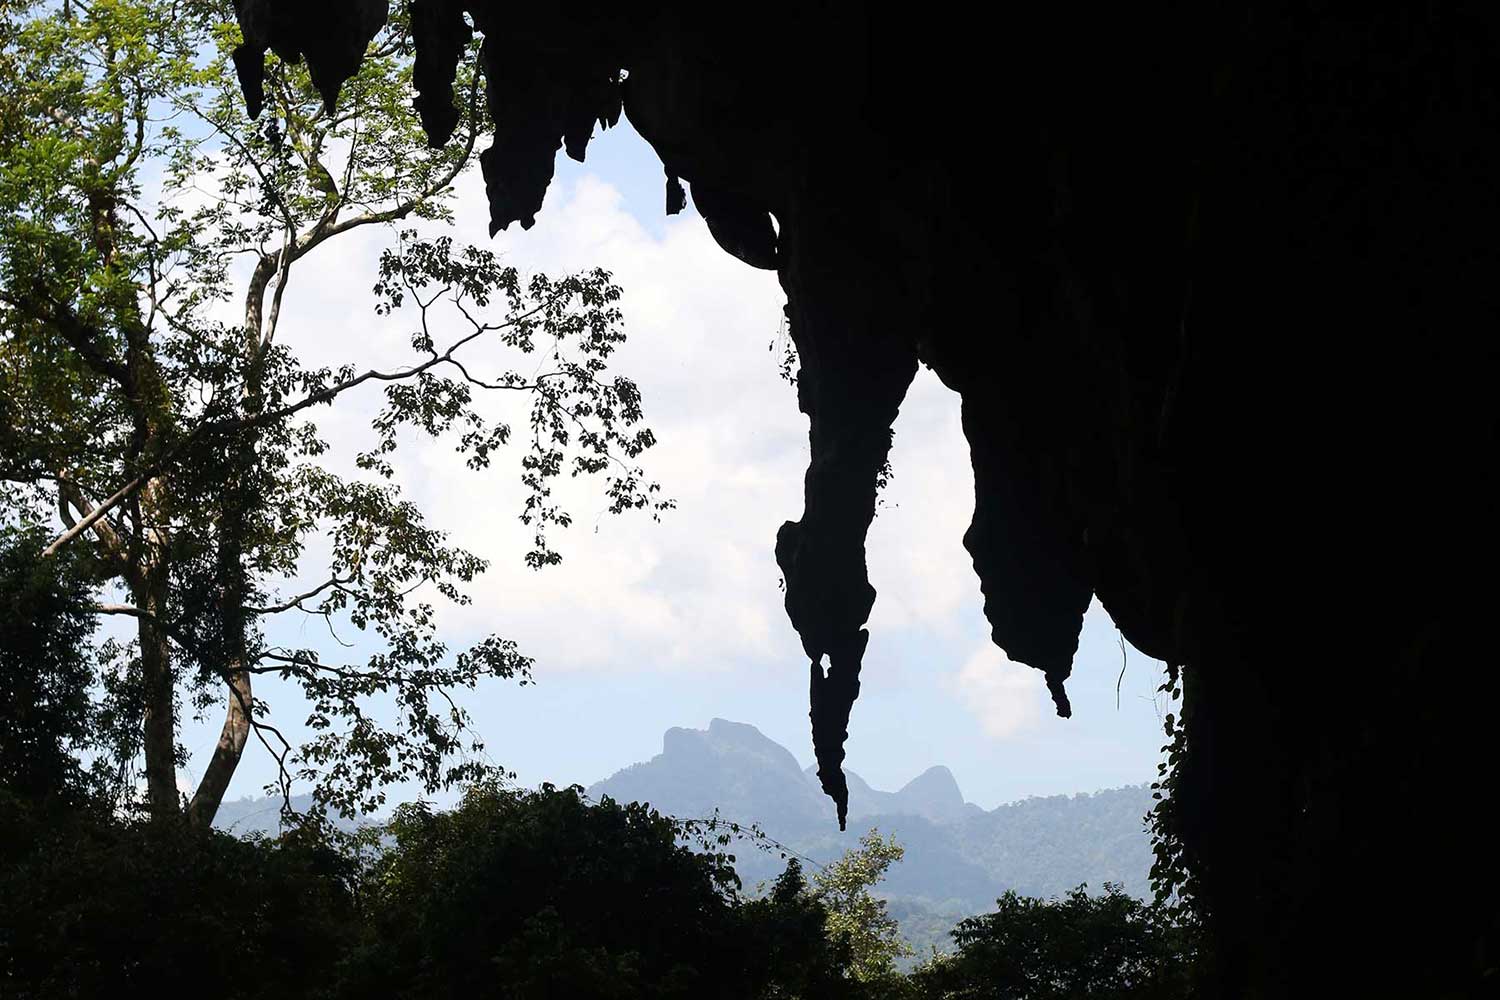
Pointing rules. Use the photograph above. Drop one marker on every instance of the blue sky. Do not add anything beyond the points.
(647, 626)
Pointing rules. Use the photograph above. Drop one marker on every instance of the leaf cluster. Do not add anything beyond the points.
(1111, 946)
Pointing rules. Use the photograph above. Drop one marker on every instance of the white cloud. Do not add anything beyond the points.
(915, 550)
(1007, 698)
(698, 591)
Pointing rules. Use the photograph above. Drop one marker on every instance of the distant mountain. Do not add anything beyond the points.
(249, 816)
(732, 767)
(959, 857)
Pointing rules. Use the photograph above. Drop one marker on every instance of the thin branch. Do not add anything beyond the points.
(326, 395)
(404, 208)
(329, 226)
(296, 602)
(1119, 680)
(283, 776)
(270, 190)
(289, 666)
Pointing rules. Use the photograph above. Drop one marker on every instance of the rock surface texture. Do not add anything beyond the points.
(1217, 283)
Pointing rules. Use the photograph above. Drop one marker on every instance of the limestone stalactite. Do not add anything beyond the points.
(857, 360)
(332, 37)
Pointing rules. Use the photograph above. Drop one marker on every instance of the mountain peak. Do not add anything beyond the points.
(730, 766)
(724, 738)
(738, 732)
(936, 780)
(934, 794)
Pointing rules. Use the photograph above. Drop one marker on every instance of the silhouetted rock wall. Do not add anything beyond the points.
(1217, 284)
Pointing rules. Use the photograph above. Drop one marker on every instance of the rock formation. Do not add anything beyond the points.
(1217, 284)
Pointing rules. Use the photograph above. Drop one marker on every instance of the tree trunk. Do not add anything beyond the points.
(160, 738)
(227, 753)
(233, 591)
(234, 582)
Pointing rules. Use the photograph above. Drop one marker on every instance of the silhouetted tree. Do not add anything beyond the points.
(93, 906)
(543, 894)
(787, 929)
(1106, 947)
(150, 401)
(48, 719)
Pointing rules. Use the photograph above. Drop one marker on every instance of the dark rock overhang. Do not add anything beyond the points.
(1216, 285)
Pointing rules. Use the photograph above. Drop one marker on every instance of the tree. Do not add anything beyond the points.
(541, 894)
(855, 915)
(46, 671)
(788, 926)
(1109, 947)
(512, 894)
(149, 231)
(92, 905)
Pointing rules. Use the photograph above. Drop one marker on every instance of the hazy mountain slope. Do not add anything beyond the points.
(1043, 846)
(729, 766)
(956, 853)
(249, 816)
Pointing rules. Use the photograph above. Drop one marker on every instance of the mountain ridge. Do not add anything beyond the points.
(960, 857)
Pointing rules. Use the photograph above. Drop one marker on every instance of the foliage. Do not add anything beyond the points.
(855, 915)
(516, 894)
(94, 906)
(1099, 947)
(787, 929)
(539, 894)
(46, 673)
(512, 894)
(1174, 870)
(926, 927)
(151, 398)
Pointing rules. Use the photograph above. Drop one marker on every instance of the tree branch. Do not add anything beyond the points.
(94, 516)
(69, 494)
(296, 602)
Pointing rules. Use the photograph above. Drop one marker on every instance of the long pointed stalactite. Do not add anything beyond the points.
(857, 361)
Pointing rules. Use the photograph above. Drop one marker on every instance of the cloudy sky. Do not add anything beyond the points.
(646, 626)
